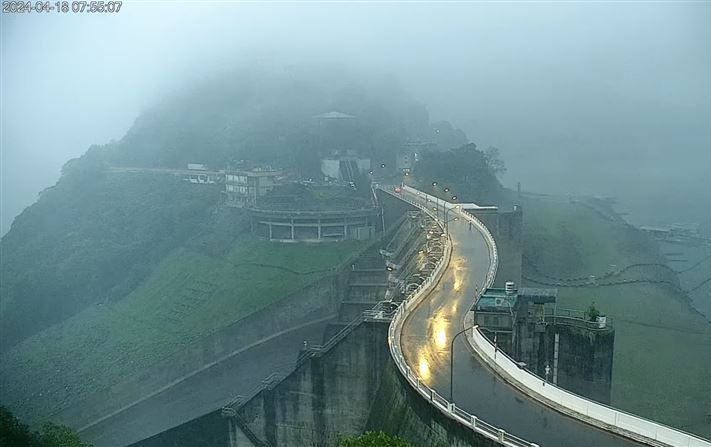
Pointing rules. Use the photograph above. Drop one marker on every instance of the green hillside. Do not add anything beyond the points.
(92, 238)
(111, 271)
(188, 295)
(95, 235)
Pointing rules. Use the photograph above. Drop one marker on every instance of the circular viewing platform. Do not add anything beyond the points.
(285, 225)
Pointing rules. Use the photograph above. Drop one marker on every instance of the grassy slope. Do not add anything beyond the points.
(188, 295)
(662, 360)
(93, 237)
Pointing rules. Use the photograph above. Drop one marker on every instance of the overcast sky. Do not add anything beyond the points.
(596, 98)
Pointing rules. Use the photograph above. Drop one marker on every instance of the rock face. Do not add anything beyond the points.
(348, 389)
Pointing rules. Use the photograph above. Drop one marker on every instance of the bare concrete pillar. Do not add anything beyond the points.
(231, 429)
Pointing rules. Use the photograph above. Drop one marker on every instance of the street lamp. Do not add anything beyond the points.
(446, 189)
(451, 361)
(446, 223)
(446, 213)
(496, 333)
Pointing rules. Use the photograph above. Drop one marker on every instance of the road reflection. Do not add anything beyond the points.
(423, 368)
(439, 327)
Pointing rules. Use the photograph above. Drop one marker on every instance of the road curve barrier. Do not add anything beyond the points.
(594, 413)
(413, 299)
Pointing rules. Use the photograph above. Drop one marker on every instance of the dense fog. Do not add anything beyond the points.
(601, 98)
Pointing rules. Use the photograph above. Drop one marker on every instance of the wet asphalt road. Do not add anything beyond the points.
(426, 338)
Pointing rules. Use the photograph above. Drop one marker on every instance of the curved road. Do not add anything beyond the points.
(426, 337)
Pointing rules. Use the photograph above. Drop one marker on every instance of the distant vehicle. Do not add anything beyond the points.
(398, 189)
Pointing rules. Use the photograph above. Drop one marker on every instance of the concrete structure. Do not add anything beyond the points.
(428, 324)
(346, 389)
(494, 313)
(562, 347)
(199, 374)
(506, 226)
(344, 168)
(334, 116)
(315, 226)
(405, 161)
(243, 188)
(200, 174)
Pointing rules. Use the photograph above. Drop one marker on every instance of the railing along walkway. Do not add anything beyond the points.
(607, 418)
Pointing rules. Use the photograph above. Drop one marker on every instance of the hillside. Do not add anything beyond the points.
(112, 272)
(95, 236)
(92, 238)
(191, 292)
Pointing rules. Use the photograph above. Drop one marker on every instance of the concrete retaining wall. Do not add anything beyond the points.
(401, 411)
(347, 390)
(316, 301)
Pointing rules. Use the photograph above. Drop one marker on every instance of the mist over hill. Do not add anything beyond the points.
(96, 235)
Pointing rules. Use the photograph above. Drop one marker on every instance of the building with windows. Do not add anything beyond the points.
(244, 187)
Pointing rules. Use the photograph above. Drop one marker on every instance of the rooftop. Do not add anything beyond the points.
(334, 116)
(495, 300)
(538, 296)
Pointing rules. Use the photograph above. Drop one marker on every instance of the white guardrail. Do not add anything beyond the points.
(411, 301)
(603, 416)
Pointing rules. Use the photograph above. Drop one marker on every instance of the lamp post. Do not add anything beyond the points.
(496, 333)
(436, 199)
(446, 221)
(451, 361)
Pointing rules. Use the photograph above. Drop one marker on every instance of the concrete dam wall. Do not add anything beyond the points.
(317, 301)
(351, 388)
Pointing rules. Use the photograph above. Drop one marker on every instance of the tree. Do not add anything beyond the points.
(592, 313)
(13, 432)
(494, 161)
(53, 435)
(374, 439)
(464, 171)
(16, 434)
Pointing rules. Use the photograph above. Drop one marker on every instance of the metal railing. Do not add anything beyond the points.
(274, 379)
(594, 413)
(600, 415)
(411, 301)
